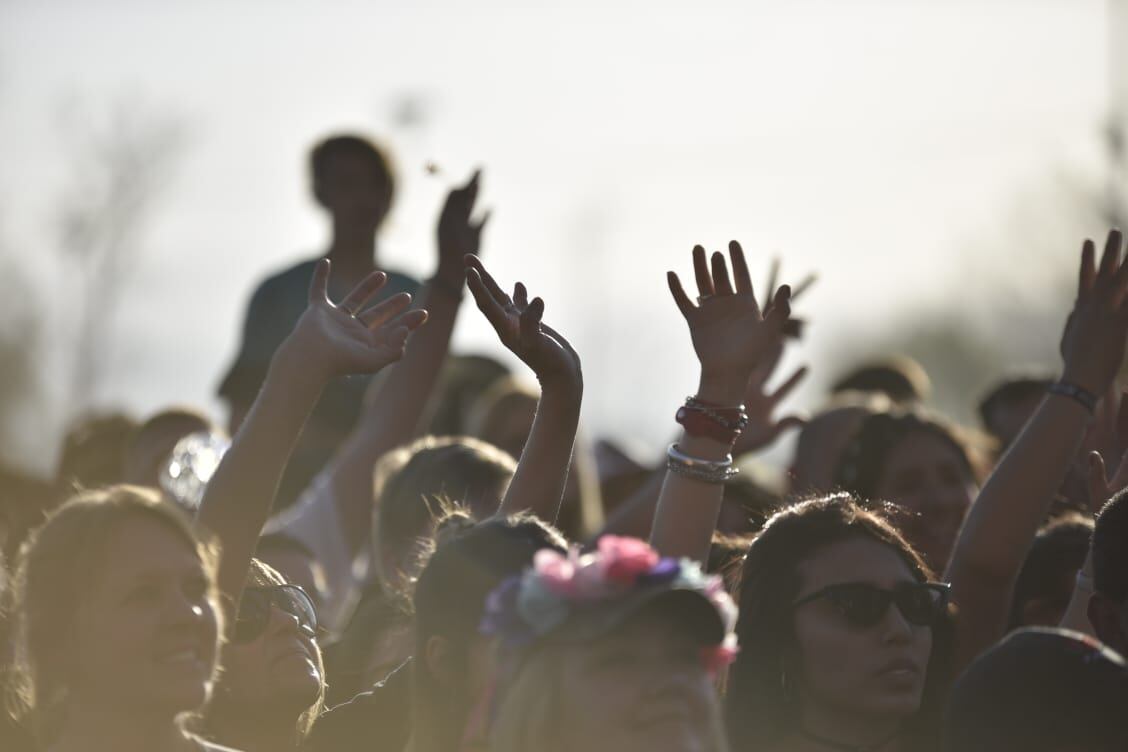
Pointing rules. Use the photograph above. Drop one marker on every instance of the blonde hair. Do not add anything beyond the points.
(529, 713)
(56, 565)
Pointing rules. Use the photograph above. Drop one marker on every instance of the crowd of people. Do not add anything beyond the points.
(393, 548)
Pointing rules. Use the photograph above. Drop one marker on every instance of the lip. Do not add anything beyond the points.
(901, 667)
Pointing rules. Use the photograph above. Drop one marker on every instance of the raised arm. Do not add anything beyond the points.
(542, 472)
(1014, 502)
(393, 415)
(635, 516)
(731, 337)
(328, 341)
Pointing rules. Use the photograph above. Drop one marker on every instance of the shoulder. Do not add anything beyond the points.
(381, 713)
(286, 279)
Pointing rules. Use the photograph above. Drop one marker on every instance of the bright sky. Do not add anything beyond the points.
(871, 141)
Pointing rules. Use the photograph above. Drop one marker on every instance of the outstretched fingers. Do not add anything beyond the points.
(701, 272)
(740, 272)
(385, 310)
(685, 305)
(487, 303)
(788, 386)
(361, 294)
(722, 285)
(530, 323)
(490, 285)
(319, 284)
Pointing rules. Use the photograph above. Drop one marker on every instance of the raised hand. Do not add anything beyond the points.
(1095, 334)
(336, 339)
(458, 235)
(731, 335)
(517, 321)
(763, 427)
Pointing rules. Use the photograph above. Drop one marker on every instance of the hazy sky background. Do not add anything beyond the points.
(879, 143)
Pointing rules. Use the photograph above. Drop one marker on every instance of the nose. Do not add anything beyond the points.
(896, 629)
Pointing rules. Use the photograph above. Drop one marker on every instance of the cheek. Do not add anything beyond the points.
(829, 653)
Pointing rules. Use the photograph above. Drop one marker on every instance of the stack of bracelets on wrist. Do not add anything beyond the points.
(706, 420)
(706, 471)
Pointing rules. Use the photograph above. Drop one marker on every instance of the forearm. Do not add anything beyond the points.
(1004, 520)
(635, 516)
(240, 495)
(542, 472)
(688, 508)
(1020, 492)
(394, 417)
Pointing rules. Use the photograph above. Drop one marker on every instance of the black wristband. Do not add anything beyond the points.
(1084, 396)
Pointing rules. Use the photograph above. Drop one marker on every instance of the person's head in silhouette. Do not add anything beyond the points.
(1108, 606)
(352, 179)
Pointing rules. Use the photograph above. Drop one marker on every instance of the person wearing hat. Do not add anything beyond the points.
(1041, 690)
(614, 649)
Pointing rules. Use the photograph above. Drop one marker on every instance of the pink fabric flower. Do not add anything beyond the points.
(719, 657)
(558, 572)
(626, 559)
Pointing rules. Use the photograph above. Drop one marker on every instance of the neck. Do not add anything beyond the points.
(109, 729)
(254, 729)
(353, 246)
(849, 730)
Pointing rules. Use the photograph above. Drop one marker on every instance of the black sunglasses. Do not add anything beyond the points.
(254, 611)
(864, 605)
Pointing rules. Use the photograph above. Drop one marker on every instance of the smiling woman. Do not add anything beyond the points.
(117, 624)
(272, 687)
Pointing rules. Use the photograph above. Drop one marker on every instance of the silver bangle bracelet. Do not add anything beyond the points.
(677, 455)
(706, 471)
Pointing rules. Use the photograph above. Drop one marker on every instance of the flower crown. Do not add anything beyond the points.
(527, 607)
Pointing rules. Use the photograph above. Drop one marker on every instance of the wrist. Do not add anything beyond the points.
(1078, 378)
(1080, 394)
(293, 367)
(450, 282)
(571, 388)
(726, 390)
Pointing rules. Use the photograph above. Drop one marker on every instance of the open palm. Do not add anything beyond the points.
(730, 333)
(340, 339)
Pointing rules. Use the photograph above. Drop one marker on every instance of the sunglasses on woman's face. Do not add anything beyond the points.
(256, 606)
(864, 605)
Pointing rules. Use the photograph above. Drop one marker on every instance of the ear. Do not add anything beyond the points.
(1104, 616)
(436, 656)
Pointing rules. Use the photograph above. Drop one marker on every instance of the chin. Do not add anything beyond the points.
(900, 705)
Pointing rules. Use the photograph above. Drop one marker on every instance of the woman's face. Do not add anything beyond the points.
(147, 629)
(842, 669)
(925, 475)
(643, 687)
(280, 668)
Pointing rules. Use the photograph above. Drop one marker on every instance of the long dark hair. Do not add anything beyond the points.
(469, 562)
(759, 708)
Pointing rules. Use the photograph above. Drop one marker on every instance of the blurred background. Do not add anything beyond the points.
(936, 163)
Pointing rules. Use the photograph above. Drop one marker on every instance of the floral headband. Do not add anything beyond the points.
(621, 573)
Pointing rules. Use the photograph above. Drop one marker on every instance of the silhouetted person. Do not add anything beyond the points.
(353, 182)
